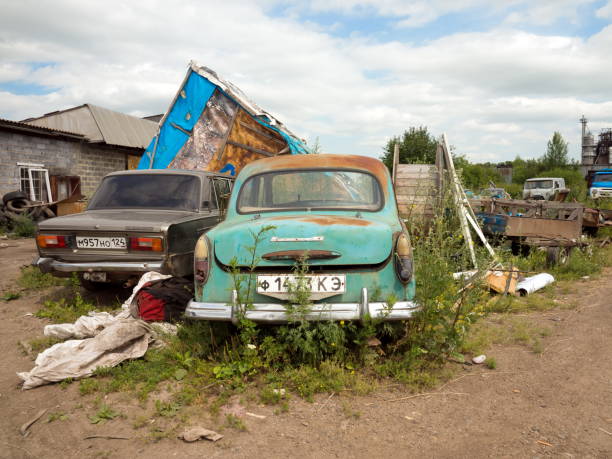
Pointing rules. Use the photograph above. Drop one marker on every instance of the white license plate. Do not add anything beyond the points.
(101, 242)
(334, 283)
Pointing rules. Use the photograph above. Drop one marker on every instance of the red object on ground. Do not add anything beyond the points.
(150, 308)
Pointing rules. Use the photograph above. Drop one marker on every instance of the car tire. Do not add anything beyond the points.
(18, 205)
(557, 256)
(14, 195)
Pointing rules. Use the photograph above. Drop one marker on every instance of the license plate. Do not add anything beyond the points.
(335, 283)
(101, 242)
(95, 277)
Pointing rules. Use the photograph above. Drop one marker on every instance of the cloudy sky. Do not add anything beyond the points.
(497, 76)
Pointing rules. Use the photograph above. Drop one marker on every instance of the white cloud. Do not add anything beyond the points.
(605, 12)
(416, 13)
(496, 93)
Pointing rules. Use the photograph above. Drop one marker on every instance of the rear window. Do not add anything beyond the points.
(153, 191)
(310, 189)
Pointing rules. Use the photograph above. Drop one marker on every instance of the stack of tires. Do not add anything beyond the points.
(16, 204)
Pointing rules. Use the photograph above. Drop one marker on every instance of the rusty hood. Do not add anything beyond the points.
(329, 240)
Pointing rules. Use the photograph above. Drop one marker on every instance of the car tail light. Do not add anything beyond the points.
(46, 241)
(151, 244)
(201, 260)
(403, 258)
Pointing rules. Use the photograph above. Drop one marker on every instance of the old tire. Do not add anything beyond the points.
(14, 195)
(557, 256)
(18, 205)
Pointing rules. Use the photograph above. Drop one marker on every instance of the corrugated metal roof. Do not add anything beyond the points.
(100, 124)
(121, 129)
(41, 129)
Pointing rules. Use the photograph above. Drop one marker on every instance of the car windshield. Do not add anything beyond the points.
(603, 178)
(538, 184)
(313, 189)
(155, 191)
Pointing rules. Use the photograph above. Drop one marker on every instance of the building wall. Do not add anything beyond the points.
(94, 163)
(61, 157)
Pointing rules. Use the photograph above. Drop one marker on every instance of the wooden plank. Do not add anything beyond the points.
(415, 167)
(415, 189)
(415, 200)
(415, 182)
(416, 176)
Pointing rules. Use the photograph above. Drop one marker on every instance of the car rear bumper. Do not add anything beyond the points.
(277, 312)
(49, 265)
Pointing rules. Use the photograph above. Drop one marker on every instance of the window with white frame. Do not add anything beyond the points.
(34, 181)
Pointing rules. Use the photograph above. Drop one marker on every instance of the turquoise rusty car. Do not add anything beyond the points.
(337, 215)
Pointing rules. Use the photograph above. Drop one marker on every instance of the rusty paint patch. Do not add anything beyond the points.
(326, 220)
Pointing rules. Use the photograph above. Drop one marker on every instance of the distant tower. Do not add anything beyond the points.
(588, 144)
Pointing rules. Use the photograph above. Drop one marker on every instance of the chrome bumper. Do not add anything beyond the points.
(602, 193)
(48, 265)
(277, 313)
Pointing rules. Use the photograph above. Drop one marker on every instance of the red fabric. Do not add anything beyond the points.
(150, 308)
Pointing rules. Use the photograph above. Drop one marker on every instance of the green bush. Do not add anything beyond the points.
(24, 226)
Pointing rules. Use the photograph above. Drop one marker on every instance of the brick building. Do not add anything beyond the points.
(69, 151)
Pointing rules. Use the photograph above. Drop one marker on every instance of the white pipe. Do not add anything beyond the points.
(533, 283)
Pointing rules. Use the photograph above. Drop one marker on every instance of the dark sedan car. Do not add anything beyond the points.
(137, 221)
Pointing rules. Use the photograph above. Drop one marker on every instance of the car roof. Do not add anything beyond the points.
(170, 172)
(318, 161)
(544, 178)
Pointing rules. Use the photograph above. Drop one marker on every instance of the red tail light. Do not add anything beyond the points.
(46, 241)
(151, 244)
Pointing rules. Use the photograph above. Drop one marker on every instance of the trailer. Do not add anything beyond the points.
(555, 226)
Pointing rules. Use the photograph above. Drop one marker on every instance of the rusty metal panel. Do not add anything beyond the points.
(546, 228)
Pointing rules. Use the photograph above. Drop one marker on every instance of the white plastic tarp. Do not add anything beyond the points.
(123, 339)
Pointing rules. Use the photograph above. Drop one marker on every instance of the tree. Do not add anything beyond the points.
(416, 146)
(556, 152)
(523, 169)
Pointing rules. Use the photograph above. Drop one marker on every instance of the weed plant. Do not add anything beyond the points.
(31, 278)
(67, 310)
(23, 226)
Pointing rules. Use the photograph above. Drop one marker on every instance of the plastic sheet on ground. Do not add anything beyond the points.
(85, 326)
(123, 339)
(93, 323)
(108, 340)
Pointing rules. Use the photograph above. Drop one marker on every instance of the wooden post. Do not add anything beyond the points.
(466, 213)
(456, 187)
(395, 161)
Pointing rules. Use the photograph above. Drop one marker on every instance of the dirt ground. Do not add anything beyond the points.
(557, 403)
